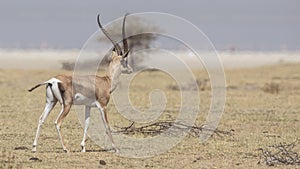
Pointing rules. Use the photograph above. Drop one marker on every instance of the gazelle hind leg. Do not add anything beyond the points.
(63, 113)
(86, 126)
(50, 103)
(66, 103)
(108, 132)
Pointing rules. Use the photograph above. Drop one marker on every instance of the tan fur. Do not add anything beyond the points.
(90, 86)
(91, 91)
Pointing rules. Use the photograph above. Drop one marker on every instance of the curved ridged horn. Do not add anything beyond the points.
(116, 45)
(125, 43)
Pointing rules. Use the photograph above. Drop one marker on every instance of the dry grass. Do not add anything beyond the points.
(259, 119)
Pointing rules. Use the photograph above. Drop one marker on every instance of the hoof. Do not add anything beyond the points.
(83, 149)
(66, 150)
(116, 150)
(33, 149)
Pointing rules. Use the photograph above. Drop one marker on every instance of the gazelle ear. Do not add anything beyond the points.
(125, 54)
(114, 50)
(112, 55)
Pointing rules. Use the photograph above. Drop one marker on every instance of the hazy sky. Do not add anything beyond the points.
(247, 24)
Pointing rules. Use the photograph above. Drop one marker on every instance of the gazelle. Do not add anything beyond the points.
(90, 91)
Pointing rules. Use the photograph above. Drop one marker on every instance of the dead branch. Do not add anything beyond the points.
(280, 154)
(168, 127)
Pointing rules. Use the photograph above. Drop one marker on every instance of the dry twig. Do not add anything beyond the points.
(280, 154)
(167, 127)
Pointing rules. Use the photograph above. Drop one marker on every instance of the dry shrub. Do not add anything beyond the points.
(272, 88)
(203, 85)
(67, 65)
(173, 87)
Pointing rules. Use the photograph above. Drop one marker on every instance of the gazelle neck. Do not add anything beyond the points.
(113, 73)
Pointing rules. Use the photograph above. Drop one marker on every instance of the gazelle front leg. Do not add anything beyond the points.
(86, 126)
(108, 132)
(50, 103)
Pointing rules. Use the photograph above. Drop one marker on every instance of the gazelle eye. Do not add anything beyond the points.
(124, 62)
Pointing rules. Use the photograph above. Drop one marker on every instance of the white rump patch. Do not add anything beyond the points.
(54, 87)
(53, 80)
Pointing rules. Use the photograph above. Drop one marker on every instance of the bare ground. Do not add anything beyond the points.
(257, 117)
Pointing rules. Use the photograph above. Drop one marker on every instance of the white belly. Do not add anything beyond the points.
(80, 99)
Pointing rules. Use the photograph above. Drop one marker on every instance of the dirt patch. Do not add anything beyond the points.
(258, 118)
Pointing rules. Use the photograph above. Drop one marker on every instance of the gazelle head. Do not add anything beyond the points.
(118, 58)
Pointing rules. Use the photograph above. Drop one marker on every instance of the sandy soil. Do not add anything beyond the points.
(256, 116)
